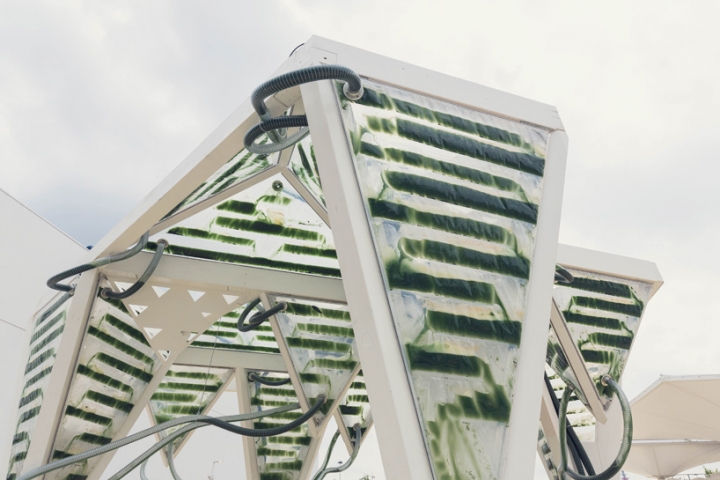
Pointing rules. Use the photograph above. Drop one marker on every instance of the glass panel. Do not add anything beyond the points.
(555, 357)
(577, 414)
(321, 344)
(268, 225)
(452, 198)
(603, 314)
(280, 457)
(304, 166)
(114, 367)
(225, 335)
(240, 167)
(355, 407)
(186, 390)
(546, 456)
(49, 323)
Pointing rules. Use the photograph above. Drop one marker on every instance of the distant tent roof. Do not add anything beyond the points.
(676, 426)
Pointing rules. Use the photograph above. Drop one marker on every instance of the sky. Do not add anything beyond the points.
(99, 101)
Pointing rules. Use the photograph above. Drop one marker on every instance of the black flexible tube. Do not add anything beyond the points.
(625, 445)
(259, 317)
(277, 123)
(269, 432)
(254, 377)
(352, 89)
(108, 292)
(562, 276)
(577, 450)
(299, 77)
(54, 281)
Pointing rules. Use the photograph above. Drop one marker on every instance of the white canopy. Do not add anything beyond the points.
(676, 426)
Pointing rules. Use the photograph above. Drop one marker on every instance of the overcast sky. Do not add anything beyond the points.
(100, 100)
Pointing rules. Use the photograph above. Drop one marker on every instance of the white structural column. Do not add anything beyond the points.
(399, 433)
(43, 437)
(533, 343)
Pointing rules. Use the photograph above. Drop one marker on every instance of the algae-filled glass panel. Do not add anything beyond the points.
(48, 325)
(225, 335)
(603, 315)
(556, 359)
(355, 407)
(546, 456)
(268, 225)
(452, 197)
(577, 413)
(186, 390)
(114, 366)
(321, 344)
(241, 166)
(304, 165)
(280, 457)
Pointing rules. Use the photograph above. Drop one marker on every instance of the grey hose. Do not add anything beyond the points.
(108, 292)
(356, 448)
(269, 127)
(622, 455)
(142, 470)
(352, 89)
(171, 462)
(81, 457)
(161, 444)
(328, 454)
(54, 281)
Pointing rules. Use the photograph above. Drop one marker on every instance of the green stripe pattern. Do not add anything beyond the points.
(304, 165)
(578, 415)
(546, 456)
(48, 325)
(603, 314)
(186, 390)
(355, 407)
(224, 335)
(280, 457)
(263, 226)
(114, 367)
(241, 166)
(321, 344)
(452, 197)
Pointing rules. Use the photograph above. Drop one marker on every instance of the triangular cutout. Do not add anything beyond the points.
(151, 332)
(206, 314)
(123, 285)
(138, 309)
(196, 294)
(230, 298)
(165, 354)
(160, 291)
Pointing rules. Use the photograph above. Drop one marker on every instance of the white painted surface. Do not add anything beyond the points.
(31, 251)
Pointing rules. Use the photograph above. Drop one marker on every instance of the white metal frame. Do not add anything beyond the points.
(398, 428)
(608, 429)
(399, 431)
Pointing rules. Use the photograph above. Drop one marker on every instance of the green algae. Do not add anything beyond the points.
(498, 330)
(450, 254)
(462, 196)
(445, 223)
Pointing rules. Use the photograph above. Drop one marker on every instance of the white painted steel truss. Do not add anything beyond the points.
(283, 227)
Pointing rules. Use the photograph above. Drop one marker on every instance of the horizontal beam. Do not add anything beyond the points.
(192, 272)
(207, 357)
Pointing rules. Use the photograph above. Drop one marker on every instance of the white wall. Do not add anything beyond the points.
(31, 251)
